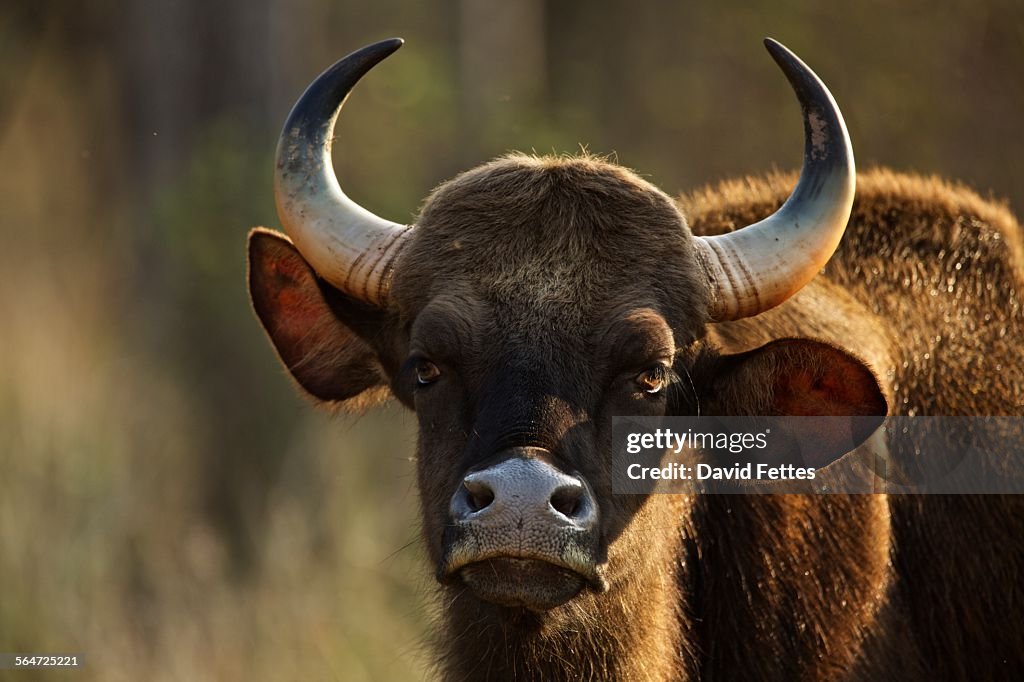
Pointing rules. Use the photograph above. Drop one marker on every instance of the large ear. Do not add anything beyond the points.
(318, 332)
(800, 377)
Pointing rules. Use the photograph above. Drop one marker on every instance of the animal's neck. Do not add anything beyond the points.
(635, 631)
(759, 555)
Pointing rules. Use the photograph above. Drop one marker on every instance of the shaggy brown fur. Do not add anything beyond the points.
(938, 274)
(541, 288)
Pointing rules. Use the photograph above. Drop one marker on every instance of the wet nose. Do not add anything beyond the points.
(524, 488)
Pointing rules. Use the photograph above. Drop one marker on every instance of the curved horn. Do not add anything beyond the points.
(347, 245)
(760, 266)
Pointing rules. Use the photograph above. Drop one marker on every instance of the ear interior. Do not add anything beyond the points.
(823, 381)
(303, 318)
(803, 378)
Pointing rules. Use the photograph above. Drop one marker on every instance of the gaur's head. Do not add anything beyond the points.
(533, 299)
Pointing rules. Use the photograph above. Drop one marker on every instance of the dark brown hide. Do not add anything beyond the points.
(927, 285)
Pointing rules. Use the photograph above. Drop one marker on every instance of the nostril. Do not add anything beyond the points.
(479, 495)
(567, 500)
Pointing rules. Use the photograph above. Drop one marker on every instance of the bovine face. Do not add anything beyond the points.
(529, 324)
(536, 299)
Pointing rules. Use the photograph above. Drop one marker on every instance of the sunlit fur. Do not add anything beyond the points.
(927, 286)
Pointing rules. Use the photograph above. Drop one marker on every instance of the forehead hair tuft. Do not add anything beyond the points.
(563, 232)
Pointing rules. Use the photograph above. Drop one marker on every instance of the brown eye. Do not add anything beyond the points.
(652, 380)
(426, 372)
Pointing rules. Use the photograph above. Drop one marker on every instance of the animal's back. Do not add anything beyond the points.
(942, 268)
(938, 274)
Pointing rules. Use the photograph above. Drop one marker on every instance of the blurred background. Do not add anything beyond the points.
(169, 506)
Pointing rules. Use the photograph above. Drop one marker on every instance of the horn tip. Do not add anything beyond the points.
(380, 50)
(779, 52)
(799, 75)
